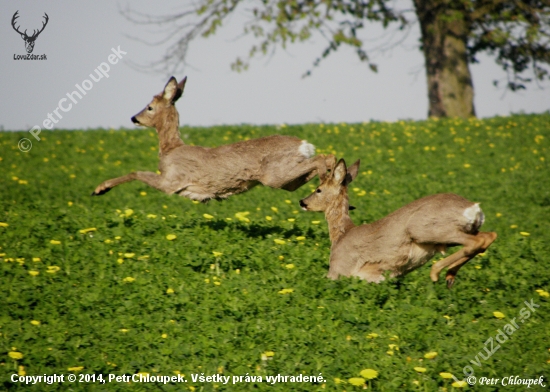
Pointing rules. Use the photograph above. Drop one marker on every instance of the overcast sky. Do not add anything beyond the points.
(80, 36)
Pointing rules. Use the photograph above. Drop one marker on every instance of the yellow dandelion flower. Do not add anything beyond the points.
(120, 261)
(447, 317)
(128, 279)
(524, 233)
(274, 209)
(357, 381)
(369, 374)
(217, 254)
(23, 182)
(143, 193)
(52, 269)
(70, 203)
(467, 165)
(291, 219)
(21, 370)
(459, 384)
(337, 380)
(75, 368)
(289, 266)
(513, 226)
(55, 242)
(446, 375)
(269, 354)
(217, 283)
(430, 355)
(268, 218)
(35, 322)
(33, 273)
(164, 336)
(420, 369)
(285, 291)
(89, 230)
(15, 355)
(36, 259)
(129, 255)
(169, 290)
(279, 241)
(208, 216)
(315, 222)
(300, 238)
(389, 352)
(372, 335)
(123, 330)
(118, 237)
(498, 214)
(3, 224)
(543, 293)
(171, 237)
(499, 315)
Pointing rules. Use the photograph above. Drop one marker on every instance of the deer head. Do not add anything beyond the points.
(154, 114)
(29, 41)
(333, 189)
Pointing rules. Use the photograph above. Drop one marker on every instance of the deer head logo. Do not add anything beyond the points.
(29, 41)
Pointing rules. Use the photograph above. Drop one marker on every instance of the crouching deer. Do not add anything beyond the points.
(402, 241)
(202, 173)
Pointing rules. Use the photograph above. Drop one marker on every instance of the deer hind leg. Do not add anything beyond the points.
(152, 179)
(473, 245)
(489, 238)
(298, 175)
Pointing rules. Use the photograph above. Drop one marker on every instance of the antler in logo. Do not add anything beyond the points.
(29, 41)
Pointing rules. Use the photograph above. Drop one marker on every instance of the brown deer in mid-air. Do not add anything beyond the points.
(402, 241)
(202, 173)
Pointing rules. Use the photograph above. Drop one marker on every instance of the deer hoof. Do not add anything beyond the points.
(450, 281)
(100, 191)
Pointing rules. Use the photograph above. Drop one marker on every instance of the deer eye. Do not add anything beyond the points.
(318, 190)
(150, 108)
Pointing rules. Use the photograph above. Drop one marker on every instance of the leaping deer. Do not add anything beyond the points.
(202, 173)
(29, 41)
(402, 241)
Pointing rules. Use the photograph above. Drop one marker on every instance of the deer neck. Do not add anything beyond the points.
(339, 221)
(169, 134)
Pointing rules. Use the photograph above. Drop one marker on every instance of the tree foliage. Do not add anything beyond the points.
(516, 33)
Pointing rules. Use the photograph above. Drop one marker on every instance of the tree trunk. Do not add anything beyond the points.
(444, 35)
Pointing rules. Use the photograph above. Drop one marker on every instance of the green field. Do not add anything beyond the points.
(241, 289)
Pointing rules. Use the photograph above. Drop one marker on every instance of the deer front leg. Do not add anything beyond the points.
(152, 179)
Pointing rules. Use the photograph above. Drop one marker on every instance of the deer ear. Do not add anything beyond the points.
(340, 172)
(352, 172)
(170, 90)
(179, 92)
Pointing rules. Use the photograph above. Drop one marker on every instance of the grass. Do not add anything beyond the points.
(161, 285)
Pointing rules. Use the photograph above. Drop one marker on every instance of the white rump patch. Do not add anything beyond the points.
(475, 216)
(307, 149)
